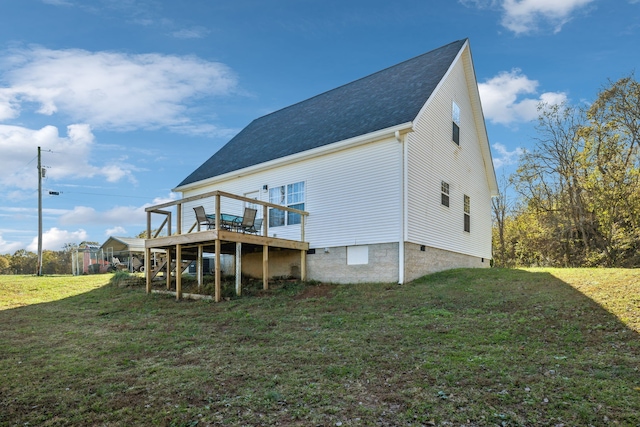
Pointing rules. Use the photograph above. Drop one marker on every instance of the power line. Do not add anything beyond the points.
(104, 194)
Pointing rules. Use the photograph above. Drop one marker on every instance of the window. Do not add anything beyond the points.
(444, 193)
(456, 133)
(455, 116)
(467, 214)
(276, 196)
(291, 195)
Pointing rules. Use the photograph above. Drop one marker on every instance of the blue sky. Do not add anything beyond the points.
(127, 97)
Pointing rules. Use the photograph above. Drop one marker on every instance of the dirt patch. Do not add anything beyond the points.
(318, 291)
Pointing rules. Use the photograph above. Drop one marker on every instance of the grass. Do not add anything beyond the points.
(464, 347)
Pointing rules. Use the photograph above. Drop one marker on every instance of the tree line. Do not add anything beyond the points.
(577, 191)
(25, 262)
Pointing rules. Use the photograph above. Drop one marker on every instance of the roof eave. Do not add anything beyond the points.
(304, 155)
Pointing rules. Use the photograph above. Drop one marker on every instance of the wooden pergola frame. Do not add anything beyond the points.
(192, 244)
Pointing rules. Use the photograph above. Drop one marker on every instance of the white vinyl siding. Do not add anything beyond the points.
(353, 196)
(433, 158)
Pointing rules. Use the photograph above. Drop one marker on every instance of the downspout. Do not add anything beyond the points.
(403, 207)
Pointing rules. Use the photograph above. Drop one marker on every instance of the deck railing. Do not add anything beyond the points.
(215, 202)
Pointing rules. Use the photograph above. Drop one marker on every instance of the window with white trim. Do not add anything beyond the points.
(444, 193)
(455, 118)
(290, 195)
(467, 214)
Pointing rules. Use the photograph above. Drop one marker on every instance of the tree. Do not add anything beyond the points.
(501, 210)
(613, 140)
(23, 262)
(5, 264)
(549, 179)
(580, 185)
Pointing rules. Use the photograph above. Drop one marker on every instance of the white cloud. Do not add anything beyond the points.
(528, 16)
(54, 239)
(117, 216)
(525, 16)
(116, 231)
(191, 33)
(502, 156)
(9, 247)
(160, 200)
(110, 90)
(65, 157)
(57, 2)
(503, 102)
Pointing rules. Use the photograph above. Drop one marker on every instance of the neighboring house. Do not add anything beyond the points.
(394, 169)
(124, 253)
(86, 259)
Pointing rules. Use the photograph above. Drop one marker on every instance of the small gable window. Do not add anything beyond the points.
(444, 193)
(467, 214)
(455, 116)
(290, 195)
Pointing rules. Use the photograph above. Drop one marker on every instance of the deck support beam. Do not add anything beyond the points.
(303, 265)
(168, 270)
(217, 267)
(200, 268)
(178, 272)
(238, 268)
(265, 267)
(147, 269)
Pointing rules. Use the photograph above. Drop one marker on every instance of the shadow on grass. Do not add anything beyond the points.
(467, 347)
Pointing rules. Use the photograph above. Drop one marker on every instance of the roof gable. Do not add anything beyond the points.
(120, 244)
(381, 100)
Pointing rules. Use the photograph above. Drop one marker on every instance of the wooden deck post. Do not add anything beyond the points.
(265, 267)
(238, 268)
(200, 268)
(303, 265)
(217, 212)
(178, 272)
(169, 256)
(217, 272)
(179, 218)
(149, 225)
(265, 220)
(147, 268)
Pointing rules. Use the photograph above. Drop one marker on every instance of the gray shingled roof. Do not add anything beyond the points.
(387, 98)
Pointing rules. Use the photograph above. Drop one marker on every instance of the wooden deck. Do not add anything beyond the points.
(183, 247)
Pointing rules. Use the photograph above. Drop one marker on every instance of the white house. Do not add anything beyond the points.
(394, 170)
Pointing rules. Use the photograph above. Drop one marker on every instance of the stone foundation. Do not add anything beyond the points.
(420, 262)
(330, 264)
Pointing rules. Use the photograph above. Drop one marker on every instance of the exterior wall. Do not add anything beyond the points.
(419, 263)
(433, 157)
(353, 196)
(331, 266)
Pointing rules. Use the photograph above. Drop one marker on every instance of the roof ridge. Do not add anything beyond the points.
(360, 79)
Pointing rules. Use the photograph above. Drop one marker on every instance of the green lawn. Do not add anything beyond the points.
(466, 347)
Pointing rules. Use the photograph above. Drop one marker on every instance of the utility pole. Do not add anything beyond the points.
(39, 272)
